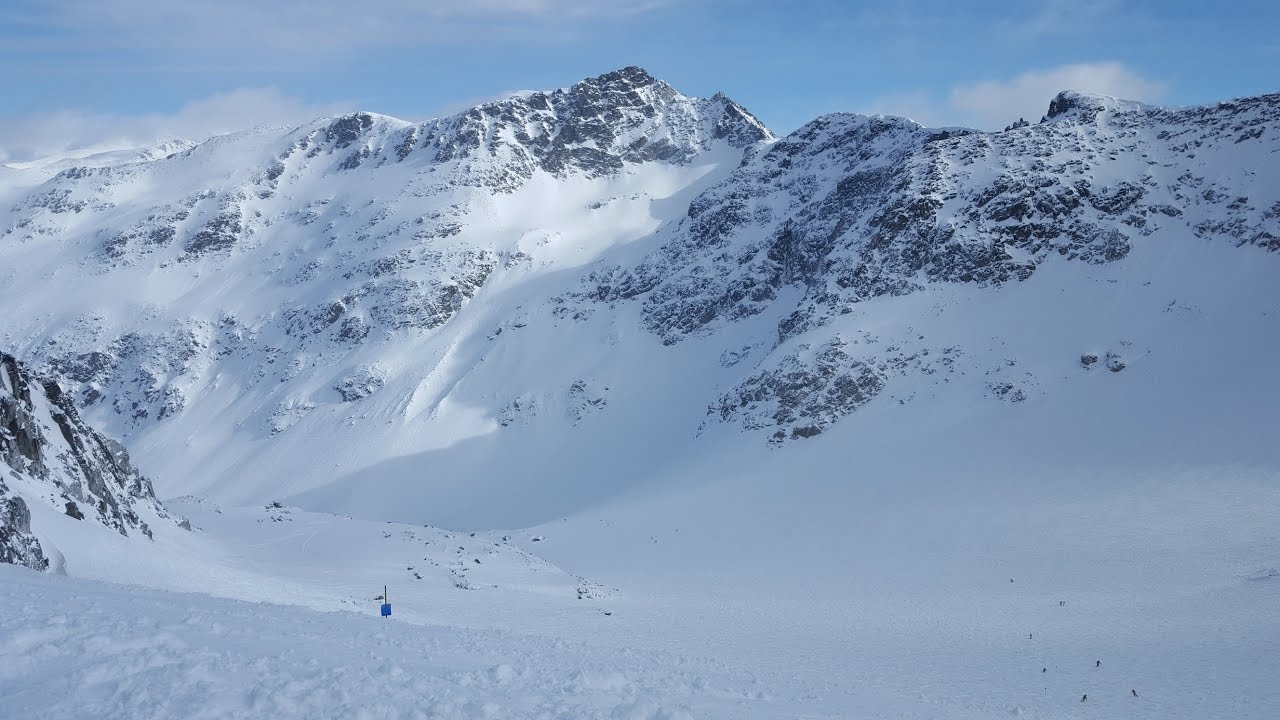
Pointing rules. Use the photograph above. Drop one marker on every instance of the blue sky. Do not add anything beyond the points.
(87, 72)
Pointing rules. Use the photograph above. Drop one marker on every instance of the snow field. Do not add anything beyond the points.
(75, 648)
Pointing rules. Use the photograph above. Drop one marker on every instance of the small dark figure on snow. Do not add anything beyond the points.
(1098, 664)
(1062, 603)
(1083, 698)
(1028, 636)
(1135, 693)
(1044, 670)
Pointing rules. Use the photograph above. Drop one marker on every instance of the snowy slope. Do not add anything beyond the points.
(248, 299)
(272, 313)
(78, 649)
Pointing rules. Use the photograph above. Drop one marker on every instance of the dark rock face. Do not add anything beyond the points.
(221, 233)
(1006, 391)
(732, 255)
(1061, 104)
(131, 371)
(1086, 106)
(17, 545)
(584, 399)
(1111, 360)
(346, 130)
(21, 446)
(87, 475)
(803, 395)
(400, 303)
(361, 383)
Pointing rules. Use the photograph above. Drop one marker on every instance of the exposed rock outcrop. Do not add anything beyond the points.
(52, 456)
(17, 545)
(850, 207)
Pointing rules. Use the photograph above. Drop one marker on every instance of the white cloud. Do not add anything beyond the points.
(1058, 17)
(288, 27)
(52, 133)
(1027, 95)
(993, 104)
(917, 105)
(245, 42)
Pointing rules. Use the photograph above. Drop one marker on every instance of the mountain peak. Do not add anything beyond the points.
(626, 78)
(1087, 104)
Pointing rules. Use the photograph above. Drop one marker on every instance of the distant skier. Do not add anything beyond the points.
(1062, 603)
(1084, 697)
(1044, 670)
(1028, 636)
(1098, 664)
(1135, 693)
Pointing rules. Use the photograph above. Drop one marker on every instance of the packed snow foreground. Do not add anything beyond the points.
(639, 411)
(879, 605)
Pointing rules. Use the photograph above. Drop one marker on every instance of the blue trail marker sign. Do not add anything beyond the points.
(386, 603)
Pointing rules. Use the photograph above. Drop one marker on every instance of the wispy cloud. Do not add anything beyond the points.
(1054, 17)
(1027, 95)
(63, 131)
(159, 48)
(992, 104)
(267, 27)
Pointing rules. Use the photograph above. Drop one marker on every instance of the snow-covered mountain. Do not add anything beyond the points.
(274, 277)
(50, 457)
(873, 420)
(584, 273)
(850, 208)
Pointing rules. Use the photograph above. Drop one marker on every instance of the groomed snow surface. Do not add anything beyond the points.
(81, 649)
(877, 605)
